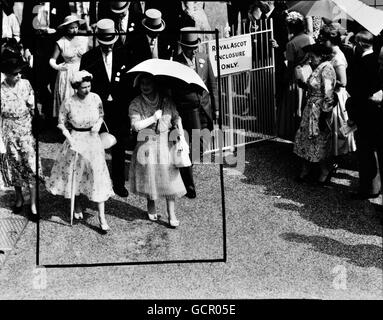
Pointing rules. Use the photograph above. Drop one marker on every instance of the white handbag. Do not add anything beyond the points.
(179, 153)
(107, 139)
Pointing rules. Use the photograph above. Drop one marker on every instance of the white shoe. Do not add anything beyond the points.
(174, 223)
(78, 215)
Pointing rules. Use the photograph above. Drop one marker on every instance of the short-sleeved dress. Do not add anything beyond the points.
(18, 164)
(71, 51)
(151, 173)
(91, 172)
(311, 143)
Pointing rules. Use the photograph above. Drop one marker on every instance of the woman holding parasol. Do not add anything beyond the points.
(152, 175)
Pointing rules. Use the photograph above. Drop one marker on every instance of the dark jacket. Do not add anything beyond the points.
(139, 49)
(189, 97)
(366, 80)
(93, 62)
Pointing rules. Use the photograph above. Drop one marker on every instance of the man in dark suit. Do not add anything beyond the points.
(107, 64)
(365, 110)
(127, 15)
(147, 41)
(198, 109)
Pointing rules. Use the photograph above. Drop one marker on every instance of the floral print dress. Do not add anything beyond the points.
(311, 143)
(151, 173)
(91, 173)
(18, 164)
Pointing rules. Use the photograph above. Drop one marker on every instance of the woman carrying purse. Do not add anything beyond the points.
(152, 174)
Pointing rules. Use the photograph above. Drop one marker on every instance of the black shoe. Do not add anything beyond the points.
(363, 196)
(191, 194)
(121, 191)
(16, 209)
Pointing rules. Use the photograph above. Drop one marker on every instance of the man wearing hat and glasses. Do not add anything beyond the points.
(197, 109)
(148, 41)
(107, 63)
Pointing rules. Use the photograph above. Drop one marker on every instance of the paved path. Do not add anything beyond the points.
(284, 240)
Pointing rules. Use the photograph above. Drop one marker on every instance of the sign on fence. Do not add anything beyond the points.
(235, 54)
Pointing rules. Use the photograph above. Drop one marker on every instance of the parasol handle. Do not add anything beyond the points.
(160, 108)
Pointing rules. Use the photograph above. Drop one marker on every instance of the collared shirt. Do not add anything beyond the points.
(369, 51)
(191, 63)
(153, 43)
(108, 62)
(142, 5)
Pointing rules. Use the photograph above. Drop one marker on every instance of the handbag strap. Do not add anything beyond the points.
(106, 127)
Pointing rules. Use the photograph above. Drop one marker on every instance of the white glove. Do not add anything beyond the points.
(157, 115)
(96, 127)
(58, 67)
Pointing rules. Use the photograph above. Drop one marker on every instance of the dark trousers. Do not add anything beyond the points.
(115, 124)
(190, 120)
(370, 158)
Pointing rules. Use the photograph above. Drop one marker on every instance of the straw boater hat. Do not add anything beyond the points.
(70, 19)
(119, 6)
(153, 21)
(105, 30)
(189, 39)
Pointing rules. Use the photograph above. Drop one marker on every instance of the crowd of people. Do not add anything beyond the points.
(80, 84)
(328, 83)
(328, 92)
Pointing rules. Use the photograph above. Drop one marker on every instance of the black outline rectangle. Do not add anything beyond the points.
(224, 236)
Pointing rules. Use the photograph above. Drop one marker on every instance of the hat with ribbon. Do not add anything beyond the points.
(71, 19)
(119, 6)
(188, 38)
(105, 31)
(153, 21)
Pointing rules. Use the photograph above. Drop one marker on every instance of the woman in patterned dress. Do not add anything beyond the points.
(83, 115)
(71, 48)
(151, 174)
(17, 109)
(313, 139)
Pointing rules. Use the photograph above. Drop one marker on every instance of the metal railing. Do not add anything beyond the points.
(248, 98)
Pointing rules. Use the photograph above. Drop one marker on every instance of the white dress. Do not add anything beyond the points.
(91, 172)
(71, 51)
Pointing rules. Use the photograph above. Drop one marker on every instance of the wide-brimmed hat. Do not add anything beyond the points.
(188, 38)
(70, 19)
(106, 31)
(12, 64)
(119, 6)
(153, 20)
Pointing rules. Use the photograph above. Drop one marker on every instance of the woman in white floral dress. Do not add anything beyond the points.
(71, 48)
(18, 164)
(83, 114)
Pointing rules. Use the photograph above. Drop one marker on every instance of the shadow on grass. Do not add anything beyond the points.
(274, 166)
(361, 255)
